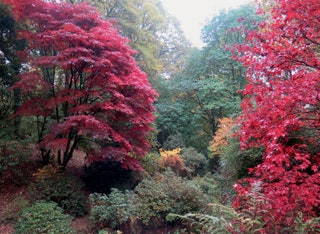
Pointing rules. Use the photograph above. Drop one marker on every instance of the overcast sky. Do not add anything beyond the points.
(192, 14)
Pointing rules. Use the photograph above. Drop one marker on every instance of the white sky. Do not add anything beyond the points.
(192, 14)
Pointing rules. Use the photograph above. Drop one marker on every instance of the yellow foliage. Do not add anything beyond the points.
(168, 153)
(172, 159)
(220, 139)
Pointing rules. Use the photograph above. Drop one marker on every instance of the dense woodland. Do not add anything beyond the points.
(111, 119)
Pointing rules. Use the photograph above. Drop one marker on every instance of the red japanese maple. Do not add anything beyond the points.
(281, 110)
(83, 84)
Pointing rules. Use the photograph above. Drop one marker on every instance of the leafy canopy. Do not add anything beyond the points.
(83, 84)
(281, 110)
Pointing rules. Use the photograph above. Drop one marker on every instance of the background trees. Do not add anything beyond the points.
(155, 34)
(139, 21)
(83, 86)
(206, 89)
(9, 64)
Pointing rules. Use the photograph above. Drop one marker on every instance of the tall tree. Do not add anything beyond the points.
(174, 48)
(83, 86)
(139, 20)
(152, 32)
(227, 28)
(281, 111)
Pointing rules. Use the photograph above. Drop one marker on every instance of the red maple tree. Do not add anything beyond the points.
(281, 110)
(82, 84)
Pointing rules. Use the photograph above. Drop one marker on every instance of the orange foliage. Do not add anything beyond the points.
(48, 171)
(220, 139)
(172, 159)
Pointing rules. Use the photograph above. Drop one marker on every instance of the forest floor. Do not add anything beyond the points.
(13, 196)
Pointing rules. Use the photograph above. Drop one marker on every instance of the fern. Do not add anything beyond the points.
(223, 219)
(310, 226)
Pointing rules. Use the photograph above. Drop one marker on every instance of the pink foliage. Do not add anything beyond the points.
(83, 77)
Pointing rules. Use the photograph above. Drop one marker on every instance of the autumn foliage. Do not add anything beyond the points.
(82, 84)
(172, 159)
(220, 140)
(281, 111)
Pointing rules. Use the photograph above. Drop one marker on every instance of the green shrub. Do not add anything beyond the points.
(63, 189)
(153, 201)
(235, 162)
(112, 210)
(44, 217)
(208, 186)
(167, 193)
(150, 163)
(195, 162)
(218, 187)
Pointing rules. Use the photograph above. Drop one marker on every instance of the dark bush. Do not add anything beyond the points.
(235, 162)
(100, 177)
(174, 141)
(13, 158)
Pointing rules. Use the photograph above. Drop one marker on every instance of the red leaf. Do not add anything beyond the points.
(84, 79)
